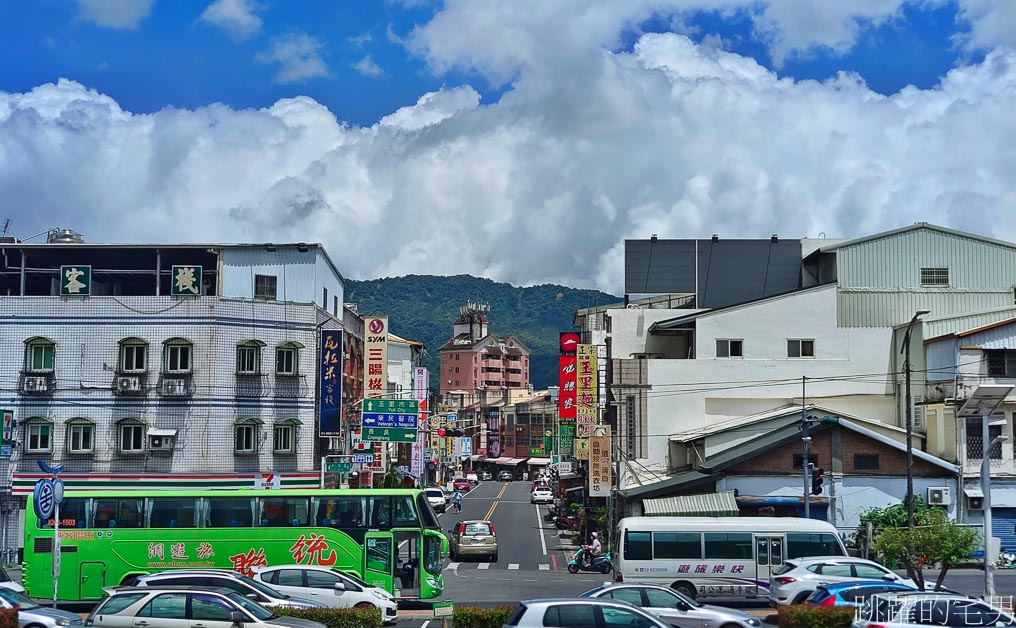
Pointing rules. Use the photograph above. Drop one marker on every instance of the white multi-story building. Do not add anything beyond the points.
(759, 332)
(163, 366)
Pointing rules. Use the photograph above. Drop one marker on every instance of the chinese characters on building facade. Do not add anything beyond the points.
(586, 400)
(331, 381)
(599, 462)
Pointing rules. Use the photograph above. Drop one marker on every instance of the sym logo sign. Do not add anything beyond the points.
(569, 342)
(377, 325)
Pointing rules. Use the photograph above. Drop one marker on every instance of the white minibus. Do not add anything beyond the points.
(716, 556)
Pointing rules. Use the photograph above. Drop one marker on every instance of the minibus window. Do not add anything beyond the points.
(638, 546)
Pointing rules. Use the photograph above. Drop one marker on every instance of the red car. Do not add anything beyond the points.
(461, 484)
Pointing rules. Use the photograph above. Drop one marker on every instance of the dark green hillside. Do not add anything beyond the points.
(422, 307)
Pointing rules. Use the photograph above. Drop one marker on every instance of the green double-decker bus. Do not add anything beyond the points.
(389, 537)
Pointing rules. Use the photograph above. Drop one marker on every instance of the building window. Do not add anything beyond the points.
(246, 433)
(248, 358)
(456, 369)
(265, 286)
(38, 437)
(975, 442)
(812, 459)
(630, 416)
(800, 348)
(335, 306)
(80, 436)
(324, 299)
(284, 437)
(866, 462)
(1001, 362)
(729, 348)
(286, 358)
(132, 438)
(133, 356)
(39, 355)
(178, 356)
(935, 277)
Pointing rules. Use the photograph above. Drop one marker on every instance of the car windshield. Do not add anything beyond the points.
(16, 599)
(259, 612)
(435, 492)
(3, 575)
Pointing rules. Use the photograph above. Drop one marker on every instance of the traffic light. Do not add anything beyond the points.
(442, 432)
(453, 432)
(816, 480)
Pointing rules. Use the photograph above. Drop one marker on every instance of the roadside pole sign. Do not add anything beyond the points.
(363, 458)
(444, 609)
(339, 467)
(391, 435)
(391, 406)
(379, 419)
(44, 499)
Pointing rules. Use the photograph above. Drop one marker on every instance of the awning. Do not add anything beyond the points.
(540, 462)
(503, 460)
(491, 460)
(161, 431)
(973, 491)
(475, 457)
(722, 504)
(515, 461)
(406, 472)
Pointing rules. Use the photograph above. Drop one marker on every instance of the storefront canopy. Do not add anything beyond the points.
(515, 461)
(503, 460)
(722, 504)
(539, 462)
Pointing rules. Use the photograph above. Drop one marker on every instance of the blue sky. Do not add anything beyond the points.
(520, 140)
(171, 57)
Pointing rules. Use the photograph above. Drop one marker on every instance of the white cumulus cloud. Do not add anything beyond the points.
(368, 67)
(298, 55)
(116, 14)
(238, 18)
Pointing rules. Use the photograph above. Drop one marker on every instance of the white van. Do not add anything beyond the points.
(716, 556)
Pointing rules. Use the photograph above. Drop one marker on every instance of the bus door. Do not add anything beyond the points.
(768, 556)
(91, 579)
(379, 560)
(407, 562)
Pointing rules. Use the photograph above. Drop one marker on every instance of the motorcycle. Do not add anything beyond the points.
(1005, 560)
(599, 563)
(566, 523)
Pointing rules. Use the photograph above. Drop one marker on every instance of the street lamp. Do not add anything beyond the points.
(910, 418)
(989, 558)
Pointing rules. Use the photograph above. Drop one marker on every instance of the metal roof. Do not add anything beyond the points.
(913, 227)
(681, 481)
(721, 504)
(674, 323)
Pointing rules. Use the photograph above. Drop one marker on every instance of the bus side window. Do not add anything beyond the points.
(405, 514)
(229, 512)
(285, 512)
(172, 512)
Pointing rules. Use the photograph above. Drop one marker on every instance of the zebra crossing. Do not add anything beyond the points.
(499, 566)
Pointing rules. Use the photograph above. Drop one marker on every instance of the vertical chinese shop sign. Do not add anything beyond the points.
(330, 369)
(569, 341)
(586, 399)
(599, 462)
(375, 363)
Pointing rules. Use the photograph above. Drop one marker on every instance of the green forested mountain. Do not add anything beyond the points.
(423, 307)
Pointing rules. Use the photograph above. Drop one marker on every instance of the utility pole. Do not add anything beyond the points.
(806, 447)
(908, 403)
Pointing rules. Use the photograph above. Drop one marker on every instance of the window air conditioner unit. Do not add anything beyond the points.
(36, 384)
(160, 443)
(939, 496)
(128, 384)
(174, 387)
(975, 503)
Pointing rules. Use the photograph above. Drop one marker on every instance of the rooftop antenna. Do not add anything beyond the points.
(7, 224)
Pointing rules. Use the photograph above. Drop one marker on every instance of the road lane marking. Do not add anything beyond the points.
(544, 567)
(490, 513)
(453, 566)
(425, 624)
(513, 565)
(539, 526)
(483, 566)
(553, 561)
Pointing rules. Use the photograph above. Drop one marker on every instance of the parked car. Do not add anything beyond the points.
(210, 578)
(796, 579)
(173, 606)
(853, 593)
(926, 608)
(7, 582)
(473, 478)
(541, 495)
(475, 537)
(485, 476)
(33, 615)
(461, 484)
(505, 476)
(672, 607)
(437, 499)
(331, 587)
(581, 613)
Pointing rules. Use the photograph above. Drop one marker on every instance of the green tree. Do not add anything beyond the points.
(933, 539)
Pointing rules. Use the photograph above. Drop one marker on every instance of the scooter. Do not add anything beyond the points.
(600, 563)
(566, 523)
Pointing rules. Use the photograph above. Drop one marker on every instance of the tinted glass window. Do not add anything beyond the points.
(624, 617)
(638, 546)
(659, 598)
(72, 514)
(284, 511)
(570, 616)
(473, 529)
(322, 580)
(812, 545)
(516, 615)
(210, 607)
(289, 577)
(632, 596)
(166, 606)
(829, 569)
(117, 513)
(229, 512)
(117, 603)
(860, 595)
(784, 568)
(870, 571)
(172, 512)
(677, 545)
(729, 545)
(963, 613)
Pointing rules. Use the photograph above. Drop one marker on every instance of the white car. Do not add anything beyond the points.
(7, 582)
(541, 495)
(796, 579)
(331, 587)
(437, 498)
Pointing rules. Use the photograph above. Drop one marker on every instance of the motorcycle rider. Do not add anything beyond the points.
(595, 549)
(457, 501)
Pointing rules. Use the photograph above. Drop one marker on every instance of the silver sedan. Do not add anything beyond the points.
(674, 608)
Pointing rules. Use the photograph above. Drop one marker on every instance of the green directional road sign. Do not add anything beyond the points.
(391, 406)
(390, 434)
(339, 467)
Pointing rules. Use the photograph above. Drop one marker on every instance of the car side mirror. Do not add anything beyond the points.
(339, 586)
(237, 617)
(683, 606)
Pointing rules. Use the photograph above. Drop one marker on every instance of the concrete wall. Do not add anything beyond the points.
(301, 276)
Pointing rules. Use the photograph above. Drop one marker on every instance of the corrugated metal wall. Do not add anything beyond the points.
(941, 360)
(296, 273)
(933, 328)
(880, 280)
(998, 338)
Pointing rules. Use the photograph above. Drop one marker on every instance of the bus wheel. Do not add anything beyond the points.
(686, 589)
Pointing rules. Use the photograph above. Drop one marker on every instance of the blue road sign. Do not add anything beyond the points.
(44, 499)
(389, 420)
(363, 458)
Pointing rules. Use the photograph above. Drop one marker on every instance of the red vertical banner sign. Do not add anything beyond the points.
(566, 401)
